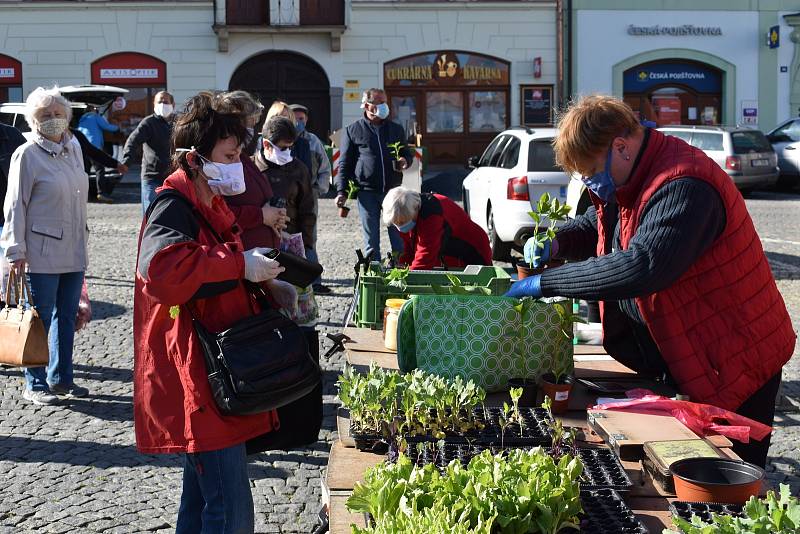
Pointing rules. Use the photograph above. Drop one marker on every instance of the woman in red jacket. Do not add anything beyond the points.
(436, 232)
(183, 270)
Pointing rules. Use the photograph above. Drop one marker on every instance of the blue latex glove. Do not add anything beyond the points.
(529, 287)
(536, 256)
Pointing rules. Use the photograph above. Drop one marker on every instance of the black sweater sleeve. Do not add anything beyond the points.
(577, 239)
(680, 222)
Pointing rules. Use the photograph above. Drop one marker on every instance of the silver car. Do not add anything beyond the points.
(785, 140)
(744, 153)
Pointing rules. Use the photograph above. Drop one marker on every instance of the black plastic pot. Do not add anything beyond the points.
(604, 512)
(719, 480)
(529, 390)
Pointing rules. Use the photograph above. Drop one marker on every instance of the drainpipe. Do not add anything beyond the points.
(569, 49)
(560, 51)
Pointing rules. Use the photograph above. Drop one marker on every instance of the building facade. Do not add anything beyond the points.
(699, 62)
(456, 72)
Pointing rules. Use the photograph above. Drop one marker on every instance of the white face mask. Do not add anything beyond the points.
(278, 156)
(53, 127)
(163, 110)
(226, 179)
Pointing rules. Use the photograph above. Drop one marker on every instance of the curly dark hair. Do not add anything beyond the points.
(201, 126)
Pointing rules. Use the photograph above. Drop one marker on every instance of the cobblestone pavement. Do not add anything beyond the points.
(74, 467)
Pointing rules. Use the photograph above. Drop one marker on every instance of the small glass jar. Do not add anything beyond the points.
(391, 313)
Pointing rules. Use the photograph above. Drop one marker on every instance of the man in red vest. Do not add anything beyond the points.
(670, 251)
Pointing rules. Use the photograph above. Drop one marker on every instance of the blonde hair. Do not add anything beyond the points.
(281, 108)
(42, 98)
(587, 128)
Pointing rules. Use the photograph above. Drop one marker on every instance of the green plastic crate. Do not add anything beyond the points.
(374, 291)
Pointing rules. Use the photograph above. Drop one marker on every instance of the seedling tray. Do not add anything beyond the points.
(685, 510)
(602, 469)
(535, 432)
(604, 512)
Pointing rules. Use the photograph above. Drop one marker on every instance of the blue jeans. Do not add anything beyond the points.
(216, 496)
(149, 193)
(369, 209)
(56, 297)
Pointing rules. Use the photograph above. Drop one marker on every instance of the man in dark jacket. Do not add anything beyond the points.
(100, 159)
(366, 159)
(288, 176)
(153, 135)
(10, 139)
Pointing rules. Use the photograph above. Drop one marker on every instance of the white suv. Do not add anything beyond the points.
(506, 182)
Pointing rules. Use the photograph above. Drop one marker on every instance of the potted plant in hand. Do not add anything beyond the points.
(557, 383)
(549, 209)
(352, 193)
(399, 164)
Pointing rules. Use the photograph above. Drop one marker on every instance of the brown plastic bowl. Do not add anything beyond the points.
(716, 480)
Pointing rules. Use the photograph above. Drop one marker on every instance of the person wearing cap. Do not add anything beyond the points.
(668, 248)
(366, 159)
(320, 178)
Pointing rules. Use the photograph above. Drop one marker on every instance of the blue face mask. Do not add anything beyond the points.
(382, 111)
(407, 227)
(301, 126)
(601, 183)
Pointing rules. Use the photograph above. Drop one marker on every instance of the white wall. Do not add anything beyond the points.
(57, 44)
(603, 41)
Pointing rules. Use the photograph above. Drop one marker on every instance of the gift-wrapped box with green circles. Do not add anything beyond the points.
(484, 339)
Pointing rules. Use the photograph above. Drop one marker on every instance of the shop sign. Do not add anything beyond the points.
(129, 68)
(537, 105)
(675, 31)
(774, 37)
(750, 112)
(10, 71)
(537, 67)
(699, 78)
(446, 68)
(352, 84)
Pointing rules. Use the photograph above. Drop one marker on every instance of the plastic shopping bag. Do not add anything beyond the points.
(84, 309)
(701, 419)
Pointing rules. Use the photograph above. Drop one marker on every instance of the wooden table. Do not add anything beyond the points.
(347, 465)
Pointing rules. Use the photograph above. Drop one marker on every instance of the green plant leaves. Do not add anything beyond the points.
(524, 492)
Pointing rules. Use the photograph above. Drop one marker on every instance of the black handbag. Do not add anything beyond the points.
(259, 364)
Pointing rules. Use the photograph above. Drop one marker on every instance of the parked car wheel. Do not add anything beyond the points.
(501, 251)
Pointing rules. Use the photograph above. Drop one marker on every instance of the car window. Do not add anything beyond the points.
(487, 154)
(791, 129)
(508, 160)
(685, 135)
(494, 161)
(707, 141)
(752, 141)
(541, 157)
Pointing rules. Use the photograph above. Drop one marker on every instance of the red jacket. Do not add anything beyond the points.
(722, 327)
(179, 261)
(247, 208)
(444, 236)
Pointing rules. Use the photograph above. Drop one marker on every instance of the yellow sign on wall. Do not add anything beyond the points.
(352, 96)
(352, 84)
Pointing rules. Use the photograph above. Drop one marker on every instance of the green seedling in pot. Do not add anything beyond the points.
(547, 209)
(567, 319)
(396, 277)
(516, 394)
(394, 149)
(352, 193)
(457, 287)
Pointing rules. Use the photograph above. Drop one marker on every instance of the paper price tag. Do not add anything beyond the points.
(562, 395)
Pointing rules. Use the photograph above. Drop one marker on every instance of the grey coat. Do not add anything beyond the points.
(45, 207)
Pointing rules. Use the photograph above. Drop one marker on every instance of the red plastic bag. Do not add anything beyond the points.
(701, 419)
(84, 309)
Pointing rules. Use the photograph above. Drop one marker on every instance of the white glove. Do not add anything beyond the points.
(259, 268)
(284, 294)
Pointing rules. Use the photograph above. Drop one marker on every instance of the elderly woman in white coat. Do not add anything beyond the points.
(46, 235)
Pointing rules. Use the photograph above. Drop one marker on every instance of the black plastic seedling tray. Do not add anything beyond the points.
(535, 431)
(685, 510)
(604, 512)
(602, 469)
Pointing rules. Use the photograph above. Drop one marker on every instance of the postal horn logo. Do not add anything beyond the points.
(643, 75)
(773, 36)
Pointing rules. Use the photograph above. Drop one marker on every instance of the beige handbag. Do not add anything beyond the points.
(23, 341)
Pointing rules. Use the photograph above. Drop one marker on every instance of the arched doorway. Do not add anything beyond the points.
(675, 91)
(291, 77)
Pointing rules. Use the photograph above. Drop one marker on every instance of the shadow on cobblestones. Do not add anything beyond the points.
(98, 372)
(784, 266)
(88, 453)
(106, 310)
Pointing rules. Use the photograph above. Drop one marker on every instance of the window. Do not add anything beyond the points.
(791, 129)
(510, 155)
(749, 142)
(685, 135)
(487, 111)
(404, 111)
(541, 157)
(487, 154)
(445, 112)
(498, 153)
(707, 141)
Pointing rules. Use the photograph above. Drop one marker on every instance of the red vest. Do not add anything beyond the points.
(722, 327)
